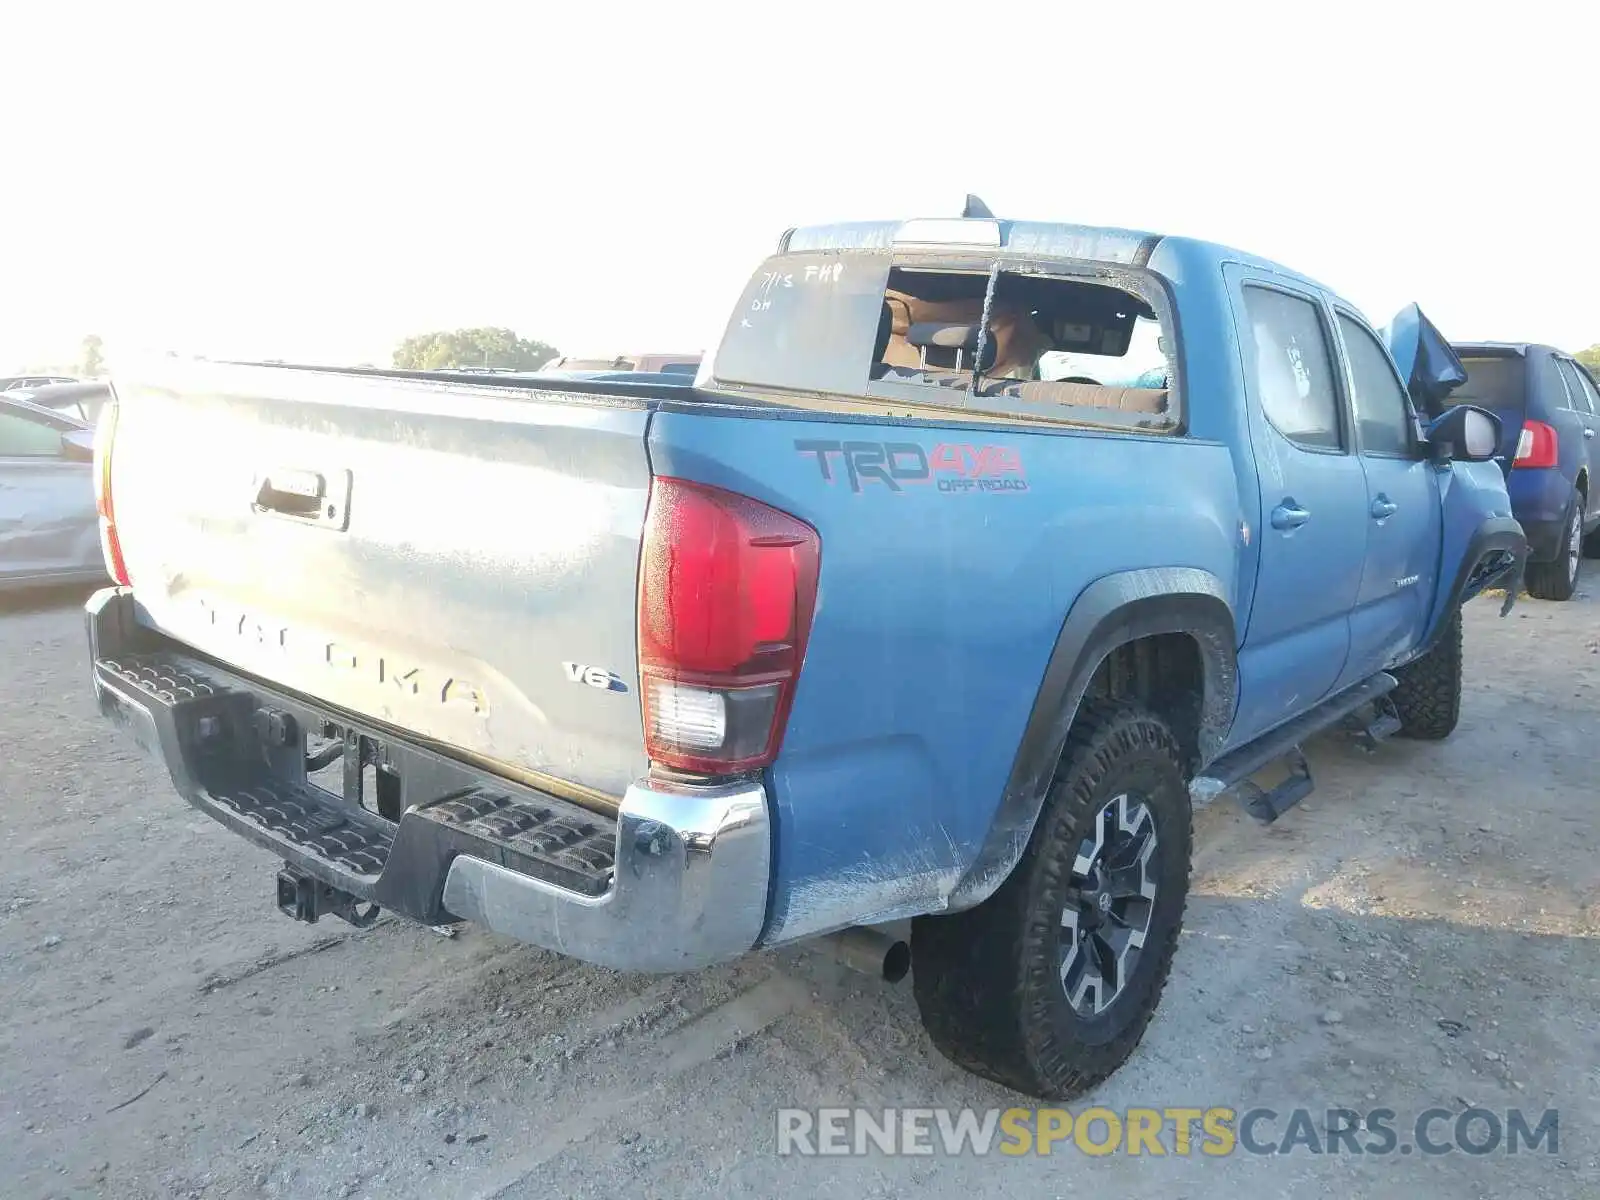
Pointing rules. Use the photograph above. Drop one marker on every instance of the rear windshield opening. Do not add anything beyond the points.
(928, 328)
(1047, 340)
(981, 336)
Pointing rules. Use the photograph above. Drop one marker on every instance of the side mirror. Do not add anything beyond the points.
(1466, 432)
(77, 445)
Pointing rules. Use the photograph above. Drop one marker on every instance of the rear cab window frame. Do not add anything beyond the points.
(935, 401)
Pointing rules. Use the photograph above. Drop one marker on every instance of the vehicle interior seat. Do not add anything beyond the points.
(946, 331)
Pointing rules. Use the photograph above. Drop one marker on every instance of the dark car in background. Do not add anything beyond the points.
(1549, 409)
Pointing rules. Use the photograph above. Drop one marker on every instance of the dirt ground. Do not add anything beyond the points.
(1422, 932)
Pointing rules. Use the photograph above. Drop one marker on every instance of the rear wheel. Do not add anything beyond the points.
(1558, 579)
(1048, 985)
(1428, 700)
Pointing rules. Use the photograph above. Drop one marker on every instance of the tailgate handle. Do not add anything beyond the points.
(320, 497)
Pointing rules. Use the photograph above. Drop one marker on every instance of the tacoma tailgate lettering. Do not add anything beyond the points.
(370, 666)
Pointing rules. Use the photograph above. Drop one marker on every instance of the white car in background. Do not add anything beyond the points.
(1142, 363)
(81, 401)
(49, 527)
(17, 383)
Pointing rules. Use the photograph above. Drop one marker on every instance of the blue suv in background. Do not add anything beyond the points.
(1549, 409)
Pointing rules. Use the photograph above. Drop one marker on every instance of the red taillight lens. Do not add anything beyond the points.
(1537, 446)
(105, 433)
(727, 587)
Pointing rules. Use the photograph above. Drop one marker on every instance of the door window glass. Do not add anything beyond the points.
(1292, 367)
(1575, 389)
(1383, 418)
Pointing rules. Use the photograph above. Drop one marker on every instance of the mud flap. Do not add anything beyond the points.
(1512, 582)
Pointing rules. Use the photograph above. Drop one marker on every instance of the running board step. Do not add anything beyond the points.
(1267, 805)
(1384, 725)
(1236, 767)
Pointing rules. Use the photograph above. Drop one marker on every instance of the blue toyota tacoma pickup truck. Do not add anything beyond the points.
(924, 602)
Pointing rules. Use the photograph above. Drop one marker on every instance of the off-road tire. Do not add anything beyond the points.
(1428, 699)
(1558, 578)
(988, 981)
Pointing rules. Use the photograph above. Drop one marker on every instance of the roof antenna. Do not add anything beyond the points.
(976, 208)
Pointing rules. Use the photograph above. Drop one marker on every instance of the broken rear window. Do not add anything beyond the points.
(997, 337)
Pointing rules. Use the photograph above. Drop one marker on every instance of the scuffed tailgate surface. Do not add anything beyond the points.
(485, 541)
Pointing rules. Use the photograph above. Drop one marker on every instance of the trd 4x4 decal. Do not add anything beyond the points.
(953, 467)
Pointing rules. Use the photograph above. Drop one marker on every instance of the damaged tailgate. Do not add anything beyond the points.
(457, 561)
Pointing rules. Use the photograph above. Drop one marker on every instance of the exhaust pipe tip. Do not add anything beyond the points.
(871, 952)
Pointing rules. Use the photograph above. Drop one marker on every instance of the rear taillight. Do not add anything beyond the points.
(727, 586)
(1537, 446)
(105, 433)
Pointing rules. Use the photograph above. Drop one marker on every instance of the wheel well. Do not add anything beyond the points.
(1583, 485)
(1165, 674)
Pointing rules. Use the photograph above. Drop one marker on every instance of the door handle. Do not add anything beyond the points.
(291, 493)
(313, 497)
(1289, 515)
(1383, 507)
(1588, 433)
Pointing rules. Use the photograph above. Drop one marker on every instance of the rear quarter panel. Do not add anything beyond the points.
(1539, 499)
(940, 601)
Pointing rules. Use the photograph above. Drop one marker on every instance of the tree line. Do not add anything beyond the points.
(445, 350)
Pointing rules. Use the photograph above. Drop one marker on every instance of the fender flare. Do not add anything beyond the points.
(1112, 611)
(1496, 536)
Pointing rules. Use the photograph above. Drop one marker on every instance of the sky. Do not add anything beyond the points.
(314, 182)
